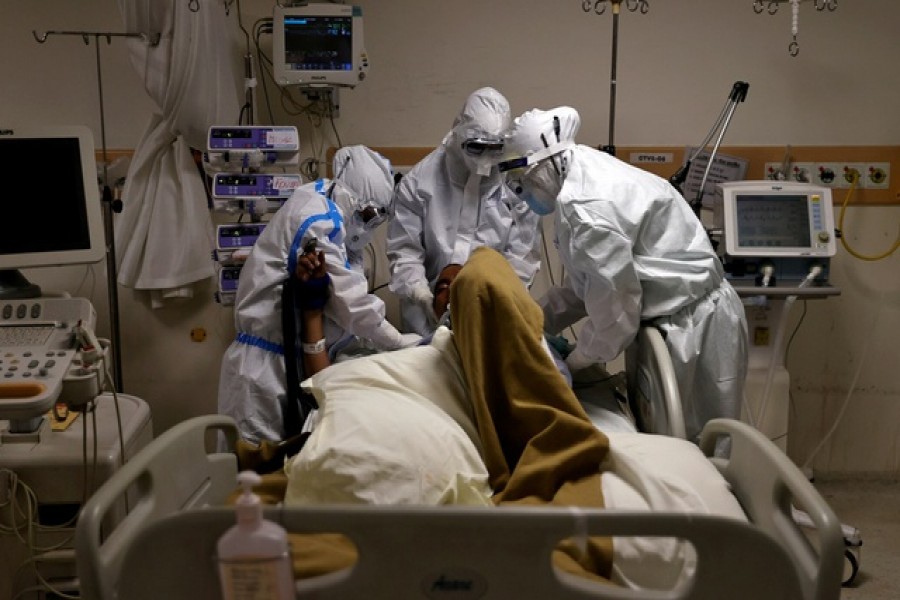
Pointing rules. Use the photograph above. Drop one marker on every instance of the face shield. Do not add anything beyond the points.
(537, 185)
(537, 154)
(537, 178)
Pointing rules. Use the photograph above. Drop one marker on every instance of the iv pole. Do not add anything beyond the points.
(110, 205)
(599, 7)
(610, 148)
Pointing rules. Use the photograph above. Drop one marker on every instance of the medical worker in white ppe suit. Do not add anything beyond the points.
(341, 216)
(634, 252)
(452, 202)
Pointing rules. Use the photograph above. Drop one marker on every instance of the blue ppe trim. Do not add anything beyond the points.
(252, 340)
(333, 215)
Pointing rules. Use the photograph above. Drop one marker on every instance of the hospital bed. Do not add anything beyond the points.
(177, 491)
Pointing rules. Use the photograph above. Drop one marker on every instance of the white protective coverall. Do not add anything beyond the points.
(451, 203)
(252, 381)
(634, 252)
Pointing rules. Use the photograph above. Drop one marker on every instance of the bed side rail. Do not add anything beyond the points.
(172, 473)
(766, 483)
(661, 412)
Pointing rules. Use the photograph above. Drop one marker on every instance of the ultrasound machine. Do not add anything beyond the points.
(63, 430)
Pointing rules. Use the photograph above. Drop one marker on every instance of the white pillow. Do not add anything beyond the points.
(394, 428)
(661, 474)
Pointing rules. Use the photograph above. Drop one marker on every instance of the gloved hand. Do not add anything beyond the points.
(577, 360)
(408, 340)
(562, 346)
(313, 282)
(423, 295)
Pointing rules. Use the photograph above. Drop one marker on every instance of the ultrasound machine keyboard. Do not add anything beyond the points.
(25, 335)
(37, 346)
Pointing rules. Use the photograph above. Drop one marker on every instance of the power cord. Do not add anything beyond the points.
(843, 238)
(22, 501)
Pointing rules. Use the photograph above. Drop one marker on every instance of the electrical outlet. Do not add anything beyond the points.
(800, 171)
(876, 175)
(849, 174)
(828, 174)
(773, 171)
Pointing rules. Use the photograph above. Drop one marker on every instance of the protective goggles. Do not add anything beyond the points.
(481, 146)
(373, 216)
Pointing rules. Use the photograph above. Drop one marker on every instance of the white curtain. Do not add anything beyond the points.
(164, 234)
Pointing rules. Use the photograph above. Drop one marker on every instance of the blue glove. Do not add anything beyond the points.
(313, 293)
(559, 343)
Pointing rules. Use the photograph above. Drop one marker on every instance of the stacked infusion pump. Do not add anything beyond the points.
(254, 170)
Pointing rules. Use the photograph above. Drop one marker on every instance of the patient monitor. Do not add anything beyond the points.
(318, 45)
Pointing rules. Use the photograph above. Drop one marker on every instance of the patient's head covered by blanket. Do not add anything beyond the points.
(539, 445)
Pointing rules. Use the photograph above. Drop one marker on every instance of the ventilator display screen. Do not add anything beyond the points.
(773, 221)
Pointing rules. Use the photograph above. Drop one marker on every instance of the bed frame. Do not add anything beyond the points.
(165, 546)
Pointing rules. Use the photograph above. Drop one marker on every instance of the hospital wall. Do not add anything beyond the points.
(676, 65)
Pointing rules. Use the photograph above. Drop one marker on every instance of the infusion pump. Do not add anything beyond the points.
(254, 171)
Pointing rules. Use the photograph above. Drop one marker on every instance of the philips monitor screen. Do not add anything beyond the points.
(318, 44)
(768, 218)
(50, 198)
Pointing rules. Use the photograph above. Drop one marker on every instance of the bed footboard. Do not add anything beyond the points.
(173, 473)
(767, 484)
(456, 552)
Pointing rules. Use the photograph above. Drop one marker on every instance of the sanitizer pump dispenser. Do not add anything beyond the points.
(254, 555)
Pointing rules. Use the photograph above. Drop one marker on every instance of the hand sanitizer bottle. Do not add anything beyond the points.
(254, 555)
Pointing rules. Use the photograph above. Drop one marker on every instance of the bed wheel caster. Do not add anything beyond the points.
(851, 565)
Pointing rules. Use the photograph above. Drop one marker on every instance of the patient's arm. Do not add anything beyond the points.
(313, 291)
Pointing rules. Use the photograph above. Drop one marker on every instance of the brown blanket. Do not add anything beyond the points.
(540, 447)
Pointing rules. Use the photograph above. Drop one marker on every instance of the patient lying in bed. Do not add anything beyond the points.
(483, 416)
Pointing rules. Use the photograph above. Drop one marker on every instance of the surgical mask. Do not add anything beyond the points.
(357, 235)
(538, 186)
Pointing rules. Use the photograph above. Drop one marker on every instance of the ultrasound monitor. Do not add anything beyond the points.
(318, 45)
(50, 201)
